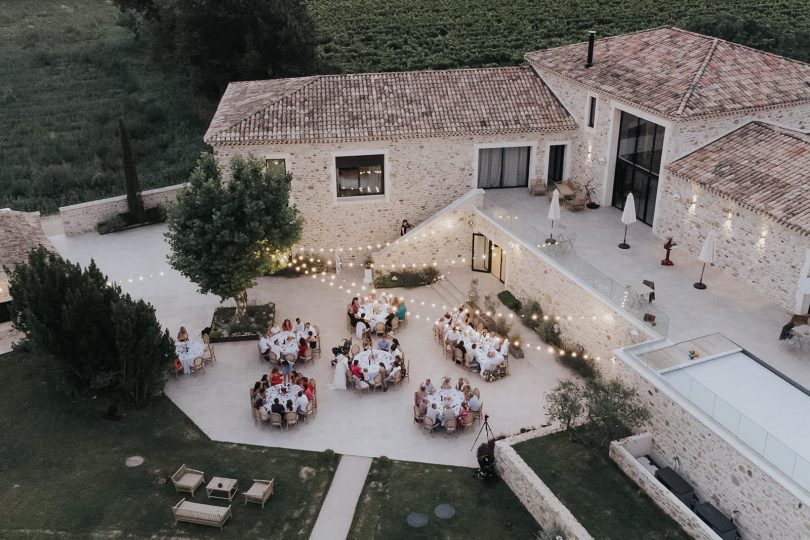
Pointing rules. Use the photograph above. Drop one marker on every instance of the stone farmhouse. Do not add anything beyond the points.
(655, 113)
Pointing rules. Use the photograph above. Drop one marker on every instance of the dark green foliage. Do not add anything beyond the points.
(613, 410)
(407, 278)
(219, 41)
(67, 73)
(510, 301)
(104, 340)
(111, 224)
(227, 323)
(131, 184)
(221, 233)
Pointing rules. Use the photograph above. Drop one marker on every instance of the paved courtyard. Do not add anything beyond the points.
(369, 425)
(747, 317)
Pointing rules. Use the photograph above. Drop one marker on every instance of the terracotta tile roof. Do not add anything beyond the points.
(19, 233)
(759, 166)
(385, 105)
(679, 74)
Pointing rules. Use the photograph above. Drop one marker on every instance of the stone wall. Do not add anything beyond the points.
(719, 468)
(624, 454)
(83, 217)
(538, 499)
(422, 176)
(751, 247)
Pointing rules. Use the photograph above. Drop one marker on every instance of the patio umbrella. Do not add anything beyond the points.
(553, 213)
(706, 256)
(628, 218)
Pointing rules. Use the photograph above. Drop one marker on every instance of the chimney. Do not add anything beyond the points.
(591, 37)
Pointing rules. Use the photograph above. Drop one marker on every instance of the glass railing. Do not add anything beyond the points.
(743, 428)
(561, 250)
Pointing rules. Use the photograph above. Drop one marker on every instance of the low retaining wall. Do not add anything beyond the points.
(624, 454)
(83, 217)
(538, 499)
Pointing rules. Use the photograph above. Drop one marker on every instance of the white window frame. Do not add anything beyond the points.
(590, 96)
(361, 199)
(566, 163)
(285, 157)
(505, 144)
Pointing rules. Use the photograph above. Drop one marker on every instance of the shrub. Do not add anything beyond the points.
(613, 410)
(111, 224)
(407, 278)
(565, 404)
(502, 326)
(510, 301)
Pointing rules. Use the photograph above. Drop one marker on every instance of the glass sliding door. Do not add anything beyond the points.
(638, 161)
(496, 258)
(481, 261)
(556, 163)
(503, 167)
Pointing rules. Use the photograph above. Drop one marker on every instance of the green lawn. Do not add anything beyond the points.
(394, 489)
(67, 73)
(607, 503)
(64, 475)
(380, 35)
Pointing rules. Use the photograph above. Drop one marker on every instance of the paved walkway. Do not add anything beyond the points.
(337, 512)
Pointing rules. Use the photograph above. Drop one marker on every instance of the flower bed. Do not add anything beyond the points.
(495, 374)
(226, 325)
(407, 278)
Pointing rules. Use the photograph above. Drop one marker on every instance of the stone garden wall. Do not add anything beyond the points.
(83, 217)
(720, 469)
(538, 499)
(624, 454)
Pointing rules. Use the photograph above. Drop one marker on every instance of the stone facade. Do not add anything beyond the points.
(719, 468)
(422, 176)
(752, 248)
(83, 217)
(624, 454)
(538, 499)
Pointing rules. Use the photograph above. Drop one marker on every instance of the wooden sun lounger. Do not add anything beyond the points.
(202, 514)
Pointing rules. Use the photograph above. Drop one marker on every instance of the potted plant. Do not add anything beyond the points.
(590, 192)
(368, 264)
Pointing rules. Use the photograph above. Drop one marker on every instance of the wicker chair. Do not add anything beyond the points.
(360, 385)
(290, 357)
(306, 414)
(276, 420)
(394, 324)
(208, 351)
(428, 424)
(198, 365)
(450, 425)
(480, 413)
(417, 418)
(291, 418)
(187, 480)
(449, 346)
(354, 351)
(458, 356)
(379, 329)
(377, 382)
(307, 357)
(259, 492)
(467, 422)
(317, 348)
(273, 357)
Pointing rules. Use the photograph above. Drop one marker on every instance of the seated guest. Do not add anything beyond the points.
(275, 377)
(460, 384)
(264, 346)
(504, 350)
(296, 378)
(264, 416)
(383, 344)
(452, 334)
(423, 407)
(257, 387)
(286, 326)
(460, 346)
(401, 311)
(463, 412)
(303, 348)
(447, 413)
(182, 335)
(395, 349)
(388, 318)
(277, 407)
(312, 340)
(309, 328)
(442, 323)
(419, 395)
(368, 344)
(259, 401)
(301, 402)
(357, 371)
(434, 414)
(446, 384)
(384, 373)
(473, 403)
(429, 386)
(458, 317)
(290, 407)
(362, 327)
(394, 370)
(299, 326)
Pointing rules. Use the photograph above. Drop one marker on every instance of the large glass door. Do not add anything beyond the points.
(503, 167)
(496, 258)
(481, 261)
(638, 162)
(556, 163)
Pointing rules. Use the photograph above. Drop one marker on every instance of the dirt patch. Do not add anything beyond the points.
(307, 473)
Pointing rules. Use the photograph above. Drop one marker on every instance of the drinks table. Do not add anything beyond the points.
(221, 488)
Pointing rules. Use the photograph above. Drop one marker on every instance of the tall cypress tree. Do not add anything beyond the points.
(133, 187)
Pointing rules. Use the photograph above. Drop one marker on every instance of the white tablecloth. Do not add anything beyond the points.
(487, 363)
(482, 347)
(374, 313)
(441, 397)
(280, 345)
(187, 351)
(370, 360)
(278, 391)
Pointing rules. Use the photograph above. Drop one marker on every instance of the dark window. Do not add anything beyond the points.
(276, 166)
(360, 175)
(556, 163)
(503, 167)
(592, 112)
(5, 312)
(638, 161)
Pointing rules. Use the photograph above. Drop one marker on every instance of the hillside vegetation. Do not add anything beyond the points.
(68, 71)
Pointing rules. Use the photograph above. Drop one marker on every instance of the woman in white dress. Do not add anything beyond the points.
(339, 381)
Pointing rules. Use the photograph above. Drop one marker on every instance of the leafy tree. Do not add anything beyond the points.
(219, 41)
(221, 233)
(103, 339)
(565, 404)
(133, 187)
(612, 409)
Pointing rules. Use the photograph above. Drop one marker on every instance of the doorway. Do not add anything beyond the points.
(556, 163)
(487, 257)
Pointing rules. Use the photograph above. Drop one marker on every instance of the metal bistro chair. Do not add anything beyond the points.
(651, 285)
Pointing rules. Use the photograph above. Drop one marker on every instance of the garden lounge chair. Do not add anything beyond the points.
(259, 492)
(202, 514)
(187, 480)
